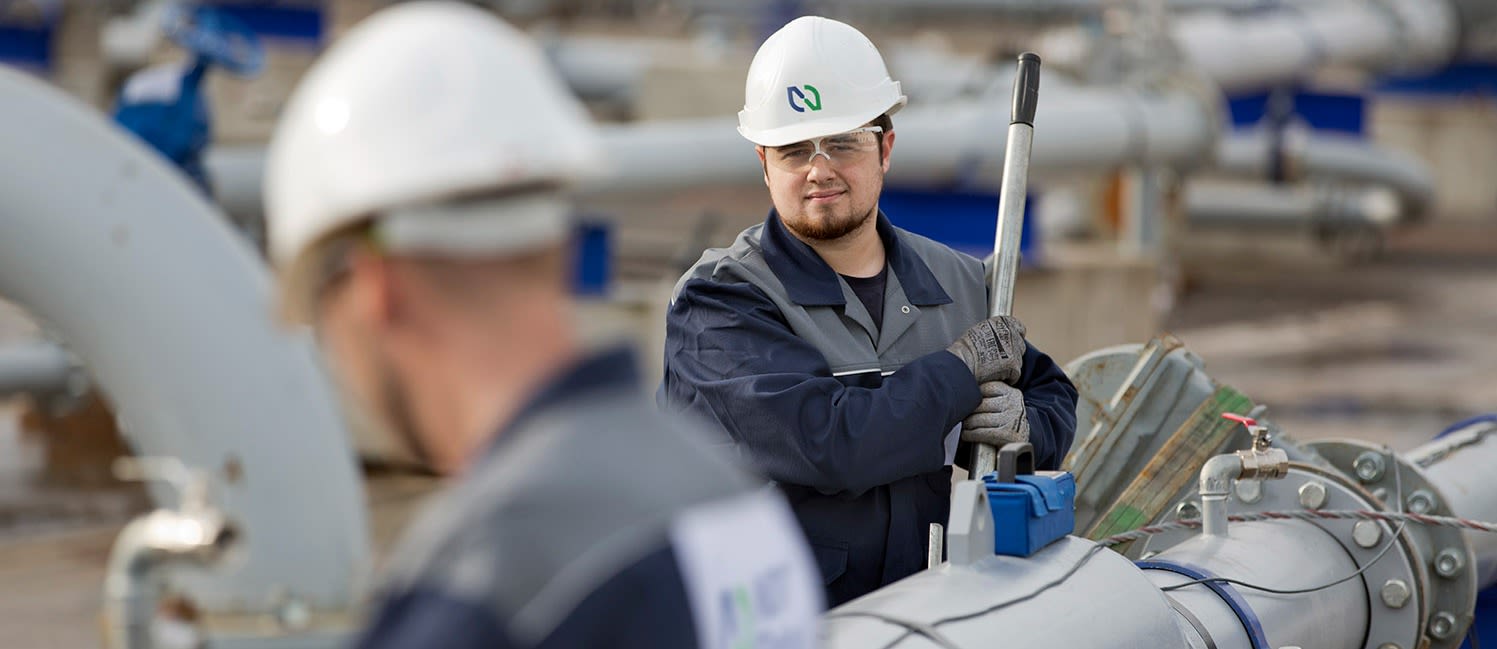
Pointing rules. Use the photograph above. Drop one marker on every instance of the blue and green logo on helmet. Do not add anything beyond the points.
(813, 102)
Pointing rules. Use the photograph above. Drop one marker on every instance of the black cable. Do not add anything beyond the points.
(911, 628)
(1031, 595)
(1393, 540)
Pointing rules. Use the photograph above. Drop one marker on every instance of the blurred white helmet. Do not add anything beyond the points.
(439, 122)
(814, 77)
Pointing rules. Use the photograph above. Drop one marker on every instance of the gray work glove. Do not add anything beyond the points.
(999, 419)
(993, 349)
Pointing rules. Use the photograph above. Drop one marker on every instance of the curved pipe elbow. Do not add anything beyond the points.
(1218, 473)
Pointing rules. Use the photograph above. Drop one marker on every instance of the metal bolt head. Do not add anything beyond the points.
(1389, 645)
(1449, 562)
(1249, 491)
(1188, 511)
(1442, 625)
(293, 614)
(1369, 466)
(1421, 502)
(1395, 593)
(1312, 495)
(1366, 533)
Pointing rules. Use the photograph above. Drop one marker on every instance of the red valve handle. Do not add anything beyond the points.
(1241, 419)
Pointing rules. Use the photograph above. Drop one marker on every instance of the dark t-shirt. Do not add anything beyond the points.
(870, 291)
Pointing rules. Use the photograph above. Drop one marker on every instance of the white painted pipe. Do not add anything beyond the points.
(1460, 466)
(601, 68)
(1322, 156)
(1244, 52)
(37, 368)
(1079, 130)
(1217, 203)
(237, 173)
(1282, 554)
(1083, 597)
(959, 145)
(171, 313)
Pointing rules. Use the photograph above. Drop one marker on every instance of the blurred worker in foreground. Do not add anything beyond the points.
(416, 221)
(822, 339)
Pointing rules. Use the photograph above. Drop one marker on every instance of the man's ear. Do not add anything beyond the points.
(763, 164)
(888, 150)
(373, 286)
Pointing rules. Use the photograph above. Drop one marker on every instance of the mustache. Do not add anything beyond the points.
(823, 190)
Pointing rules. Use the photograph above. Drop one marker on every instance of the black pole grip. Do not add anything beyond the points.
(1026, 89)
(1014, 459)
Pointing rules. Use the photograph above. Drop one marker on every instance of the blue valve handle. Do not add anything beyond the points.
(217, 38)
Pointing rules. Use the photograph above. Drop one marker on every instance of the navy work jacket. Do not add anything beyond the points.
(857, 425)
(593, 521)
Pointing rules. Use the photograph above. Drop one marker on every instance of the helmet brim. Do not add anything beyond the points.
(801, 131)
(492, 228)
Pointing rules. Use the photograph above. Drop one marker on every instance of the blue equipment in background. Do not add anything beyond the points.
(165, 106)
(960, 219)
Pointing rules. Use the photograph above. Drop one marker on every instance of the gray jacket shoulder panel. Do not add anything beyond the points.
(743, 261)
(948, 265)
(575, 496)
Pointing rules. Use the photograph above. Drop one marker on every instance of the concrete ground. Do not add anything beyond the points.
(1392, 350)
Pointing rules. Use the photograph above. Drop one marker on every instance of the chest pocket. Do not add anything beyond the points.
(846, 346)
(866, 379)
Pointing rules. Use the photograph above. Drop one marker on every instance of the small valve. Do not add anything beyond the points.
(191, 485)
(1262, 460)
(1262, 440)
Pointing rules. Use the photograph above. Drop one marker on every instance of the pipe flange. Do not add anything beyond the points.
(1444, 554)
(1399, 625)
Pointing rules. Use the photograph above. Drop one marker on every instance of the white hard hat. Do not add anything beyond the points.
(411, 116)
(814, 77)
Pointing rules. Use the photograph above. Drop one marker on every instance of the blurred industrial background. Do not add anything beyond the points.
(1304, 192)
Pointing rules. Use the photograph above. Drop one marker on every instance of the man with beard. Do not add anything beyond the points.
(415, 215)
(842, 354)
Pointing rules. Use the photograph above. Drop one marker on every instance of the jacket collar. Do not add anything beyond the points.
(809, 281)
(610, 370)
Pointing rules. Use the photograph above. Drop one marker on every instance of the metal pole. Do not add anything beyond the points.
(37, 368)
(1013, 191)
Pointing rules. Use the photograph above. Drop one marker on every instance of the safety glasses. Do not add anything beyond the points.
(840, 149)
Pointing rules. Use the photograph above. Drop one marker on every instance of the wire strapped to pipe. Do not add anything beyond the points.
(1343, 514)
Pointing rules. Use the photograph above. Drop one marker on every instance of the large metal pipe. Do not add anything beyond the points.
(1271, 47)
(1280, 554)
(926, 7)
(171, 313)
(1083, 596)
(958, 145)
(602, 69)
(1459, 464)
(1322, 156)
(1295, 207)
(1063, 597)
(38, 369)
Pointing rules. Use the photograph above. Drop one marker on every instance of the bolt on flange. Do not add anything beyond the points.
(1312, 495)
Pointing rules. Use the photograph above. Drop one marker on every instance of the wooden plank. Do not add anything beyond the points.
(1176, 466)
